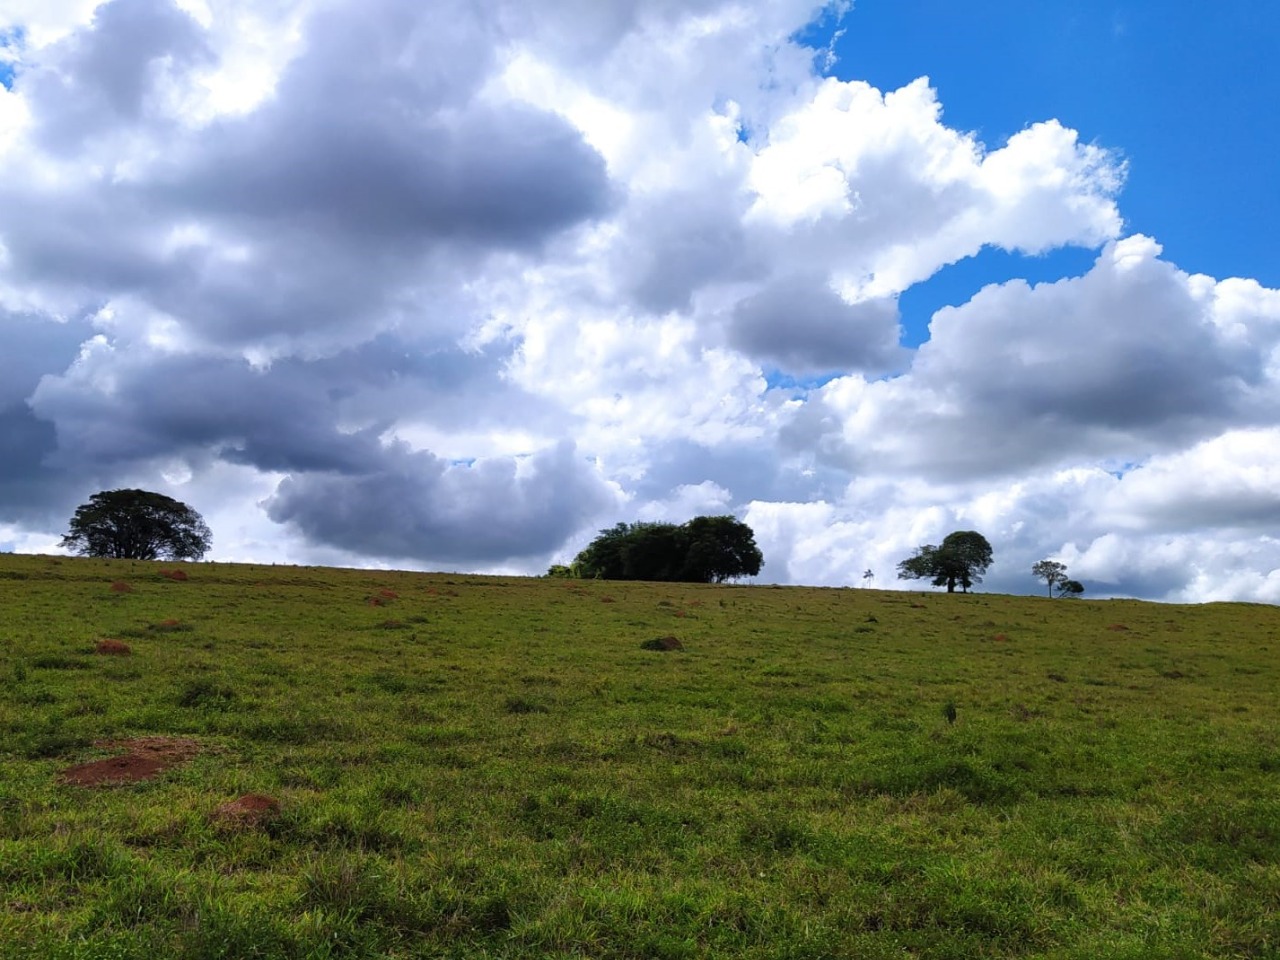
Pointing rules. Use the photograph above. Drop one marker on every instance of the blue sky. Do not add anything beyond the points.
(1187, 92)
(9, 41)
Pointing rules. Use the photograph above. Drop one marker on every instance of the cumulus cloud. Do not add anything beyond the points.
(376, 283)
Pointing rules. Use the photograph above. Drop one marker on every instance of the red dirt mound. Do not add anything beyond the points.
(113, 648)
(247, 811)
(177, 575)
(144, 758)
(119, 586)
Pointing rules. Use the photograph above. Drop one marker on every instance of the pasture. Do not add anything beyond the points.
(378, 764)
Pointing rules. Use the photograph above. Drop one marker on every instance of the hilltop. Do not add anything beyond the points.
(313, 762)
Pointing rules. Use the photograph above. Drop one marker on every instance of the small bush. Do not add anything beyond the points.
(55, 662)
(204, 692)
(662, 644)
(523, 705)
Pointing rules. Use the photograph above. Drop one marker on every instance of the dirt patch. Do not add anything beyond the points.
(119, 586)
(1001, 638)
(251, 810)
(178, 576)
(142, 759)
(112, 648)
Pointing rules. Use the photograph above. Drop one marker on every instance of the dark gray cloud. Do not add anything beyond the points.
(26, 482)
(34, 346)
(108, 76)
(801, 326)
(507, 176)
(295, 415)
(417, 506)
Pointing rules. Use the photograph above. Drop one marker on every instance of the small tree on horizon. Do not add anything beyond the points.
(137, 525)
(1070, 589)
(1051, 572)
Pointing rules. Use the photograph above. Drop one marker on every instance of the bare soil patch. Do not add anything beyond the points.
(142, 759)
(251, 810)
(112, 648)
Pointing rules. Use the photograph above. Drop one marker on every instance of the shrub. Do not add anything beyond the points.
(662, 644)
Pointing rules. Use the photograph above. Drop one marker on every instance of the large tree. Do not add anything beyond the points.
(704, 550)
(137, 525)
(960, 560)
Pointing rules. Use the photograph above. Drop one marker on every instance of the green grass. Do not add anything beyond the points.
(493, 767)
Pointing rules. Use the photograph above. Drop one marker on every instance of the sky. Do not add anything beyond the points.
(453, 286)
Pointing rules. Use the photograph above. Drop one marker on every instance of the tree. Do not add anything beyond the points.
(704, 550)
(1050, 571)
(961, 560)
(1071, 589)
(137, 525)
(717, 549)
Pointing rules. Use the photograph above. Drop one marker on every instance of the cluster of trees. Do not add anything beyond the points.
(1054, 574)
(962, 559)
(704, 550)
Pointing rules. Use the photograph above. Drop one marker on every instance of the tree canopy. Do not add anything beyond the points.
(704, 550)
(137, 525)
(1070, 589)
(960, 560)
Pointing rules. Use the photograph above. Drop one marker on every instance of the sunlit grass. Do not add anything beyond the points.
(479, 766)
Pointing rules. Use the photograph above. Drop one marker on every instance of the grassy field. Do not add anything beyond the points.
(490, 767)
